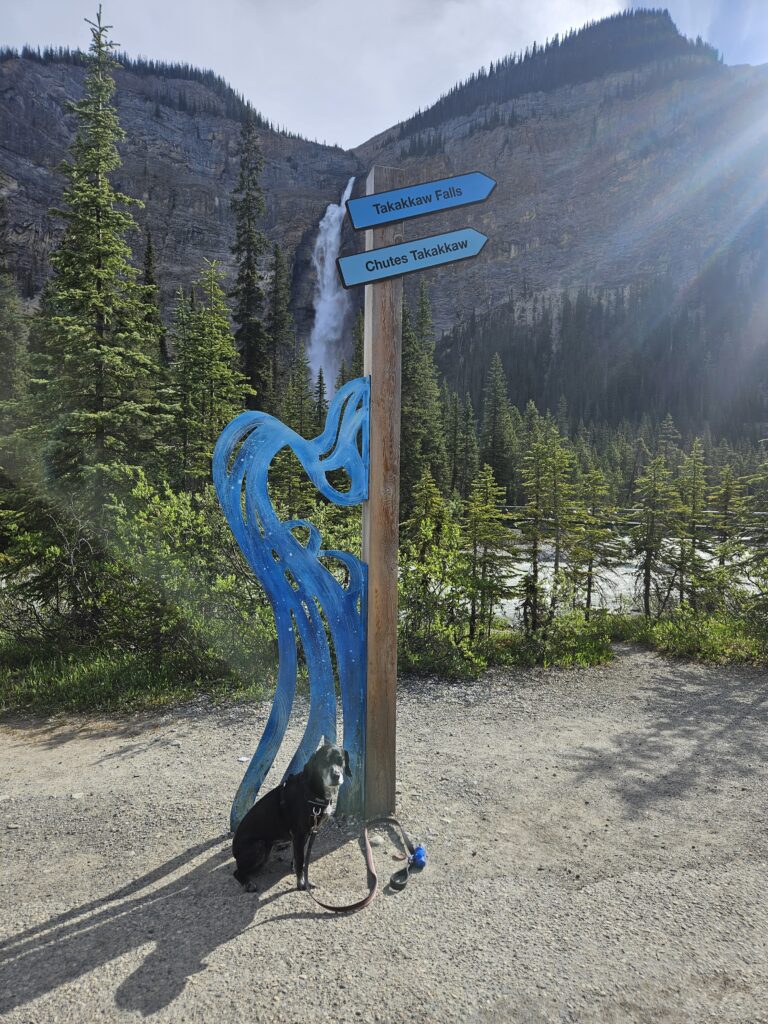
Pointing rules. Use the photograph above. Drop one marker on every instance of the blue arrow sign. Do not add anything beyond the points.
(394, 260)
(418, 200)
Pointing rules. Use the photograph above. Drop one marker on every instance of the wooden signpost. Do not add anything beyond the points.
(347, 630)
(382, 214)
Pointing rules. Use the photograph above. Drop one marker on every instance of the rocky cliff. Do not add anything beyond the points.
(179, 158)
(632, 174)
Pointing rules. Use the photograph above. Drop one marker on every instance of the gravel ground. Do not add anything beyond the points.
(597, 852)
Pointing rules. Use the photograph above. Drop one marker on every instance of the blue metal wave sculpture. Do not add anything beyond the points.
(310, 605)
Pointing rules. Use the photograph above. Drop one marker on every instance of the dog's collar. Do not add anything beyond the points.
(317, 803)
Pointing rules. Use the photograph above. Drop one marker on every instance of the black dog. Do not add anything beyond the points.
(290, 812)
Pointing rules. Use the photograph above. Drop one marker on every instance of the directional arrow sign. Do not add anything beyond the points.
(394, 260)
(417, 200)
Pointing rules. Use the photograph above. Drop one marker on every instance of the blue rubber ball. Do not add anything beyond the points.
(419, 857)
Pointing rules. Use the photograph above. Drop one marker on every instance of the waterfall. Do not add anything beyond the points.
(331, 300)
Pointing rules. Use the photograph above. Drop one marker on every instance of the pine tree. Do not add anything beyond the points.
(208, 388)
(279, 326)
(434, 438)
(488, 551)
(13, 335)
(343, 375)
(450, 405)
(356, 368)
(691, 491)
(533, 527)
(596, 548)
(731, 506)
(97, 365)
(430, 597)
(300, 409)
(468, 454)
(496, 434)
(558, 468)
(421, 430)
(248, 207)
(657, 500)
(152, 298)
(320, 401)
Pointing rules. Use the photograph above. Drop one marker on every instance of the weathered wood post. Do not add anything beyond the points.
(382, 355)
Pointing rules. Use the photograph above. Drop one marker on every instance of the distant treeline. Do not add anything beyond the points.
(698, 353)
(232, 104)
(621, 42)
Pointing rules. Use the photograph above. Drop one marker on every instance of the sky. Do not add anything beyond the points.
(343, 70)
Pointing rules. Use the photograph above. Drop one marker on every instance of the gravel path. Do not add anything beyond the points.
(597, 844)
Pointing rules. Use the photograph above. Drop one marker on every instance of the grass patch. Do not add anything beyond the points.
(715, 639)
(104, 680)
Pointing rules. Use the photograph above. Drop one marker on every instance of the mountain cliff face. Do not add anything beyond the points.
(622, 152)
(179, 158)
(598, 183)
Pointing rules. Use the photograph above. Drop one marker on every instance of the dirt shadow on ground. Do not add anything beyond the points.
(183, 920)
(695, 729)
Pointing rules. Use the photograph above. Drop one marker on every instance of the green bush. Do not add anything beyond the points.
(569, 640)
(438, 654)
(630, 628)
(716, 639)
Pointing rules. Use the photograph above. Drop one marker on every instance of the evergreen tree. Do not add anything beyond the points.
(430, 597)
(250, 243)
(468, 453)
(691, 491)
(152, 298)
(279, 326)
(208, 388)
(13, 333)
(450, 405)
(343, 375)
(496, 434)
(421, 427)
(321, 403)
(558, 469)
(730, 506)
(657, 500)
(487, 552)
(357, 368)
(301, 410)
(96, 369)
(596, 548)
(434, 439)
(533, 527)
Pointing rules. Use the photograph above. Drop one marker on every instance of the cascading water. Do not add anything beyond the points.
(331, 300)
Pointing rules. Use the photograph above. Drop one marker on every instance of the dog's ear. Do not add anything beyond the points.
(321, 743)
(347, 769)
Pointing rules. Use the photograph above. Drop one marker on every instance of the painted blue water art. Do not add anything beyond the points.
(311, 605)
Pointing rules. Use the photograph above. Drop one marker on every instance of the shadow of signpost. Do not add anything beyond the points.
(186, 919)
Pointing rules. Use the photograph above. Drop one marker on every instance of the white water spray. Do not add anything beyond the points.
(331, 300)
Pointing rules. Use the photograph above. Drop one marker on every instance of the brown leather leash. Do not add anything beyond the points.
(397, 881)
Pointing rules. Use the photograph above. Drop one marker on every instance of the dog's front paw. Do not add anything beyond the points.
(250, 885)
